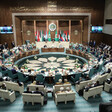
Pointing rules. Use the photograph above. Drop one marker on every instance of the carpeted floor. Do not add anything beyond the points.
(81, 105)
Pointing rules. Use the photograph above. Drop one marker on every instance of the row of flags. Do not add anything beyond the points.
(62, 36)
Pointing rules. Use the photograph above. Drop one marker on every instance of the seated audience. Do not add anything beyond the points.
(109, 80)
(66, 81)
(59, 82)
(78, 82)
(38, 92)
(27, 91)
(19, 83)
(3, 86)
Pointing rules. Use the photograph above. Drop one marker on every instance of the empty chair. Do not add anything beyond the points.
(40, 78)
(22, 77)
(5, 94)
(75, 77)
(70, 96)
(3, 72)
(60, 97)
(91, 72)
(57, 77)
(11, 75)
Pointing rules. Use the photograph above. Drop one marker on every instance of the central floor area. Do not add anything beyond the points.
(51, 62)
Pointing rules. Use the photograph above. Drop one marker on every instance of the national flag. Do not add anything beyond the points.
(42, 36)
(35, 36)
(56, 36)
(38, 37)
(68, 37)
(46, 37)
(49, 36)
(61, 36)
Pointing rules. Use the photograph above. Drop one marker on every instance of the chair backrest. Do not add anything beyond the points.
(20, 76)
(10, 73)
(95, 90)
(91, 72)
(70, 96)
(4, 93)
(102, 78)
(57, 87)
(33, 87)
(27, 97)
(77, 76)
(66, 85)
(40, 77)
(61, 96)
(57, 77)
(84, 83)
(36, 97)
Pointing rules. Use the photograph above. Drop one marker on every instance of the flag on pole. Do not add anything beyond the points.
(35, 36)
(49, 36)
(61, 36)
(56, 36)
(38, 37)
(46, 37)
(41, 35)
(68, 37)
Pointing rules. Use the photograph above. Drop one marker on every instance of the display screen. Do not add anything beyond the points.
(96, 29)
(6, 30)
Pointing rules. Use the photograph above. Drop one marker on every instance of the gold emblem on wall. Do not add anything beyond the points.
(28, 32)
(76, 32)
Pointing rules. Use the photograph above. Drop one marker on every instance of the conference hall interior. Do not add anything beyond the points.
(56, 55)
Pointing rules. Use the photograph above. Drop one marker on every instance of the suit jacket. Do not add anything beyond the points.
(38, 92)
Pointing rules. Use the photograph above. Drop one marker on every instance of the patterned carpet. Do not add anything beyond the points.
(81, 105)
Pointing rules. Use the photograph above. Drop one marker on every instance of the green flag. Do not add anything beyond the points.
(49, 36)
(56, 36)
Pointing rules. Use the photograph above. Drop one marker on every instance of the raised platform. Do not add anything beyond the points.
(52, 44)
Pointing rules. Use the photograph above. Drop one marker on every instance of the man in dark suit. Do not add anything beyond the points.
(13, 44)
(38, 92)
(27, 91)
(6, 45)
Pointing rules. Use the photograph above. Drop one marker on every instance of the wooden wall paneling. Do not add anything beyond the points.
(75, 31)
(70, 29)
(28, 31)
(41, 26)
(19, 39)
(107, 39)
(95, 7)
(85, 31)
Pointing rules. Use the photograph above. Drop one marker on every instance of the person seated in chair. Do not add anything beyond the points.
(19, 83)
(109, 80)
(38, 92)
(14, 70)
(87, 87)
(27, 91)
(3, 86)
(3, 68)
(34, 83)
(78, 82)
(1, 79)
(96, 84)
(59, 82)
(87, 77)
(66, 81)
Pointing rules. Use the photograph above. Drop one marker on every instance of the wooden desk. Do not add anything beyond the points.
(52, 49)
